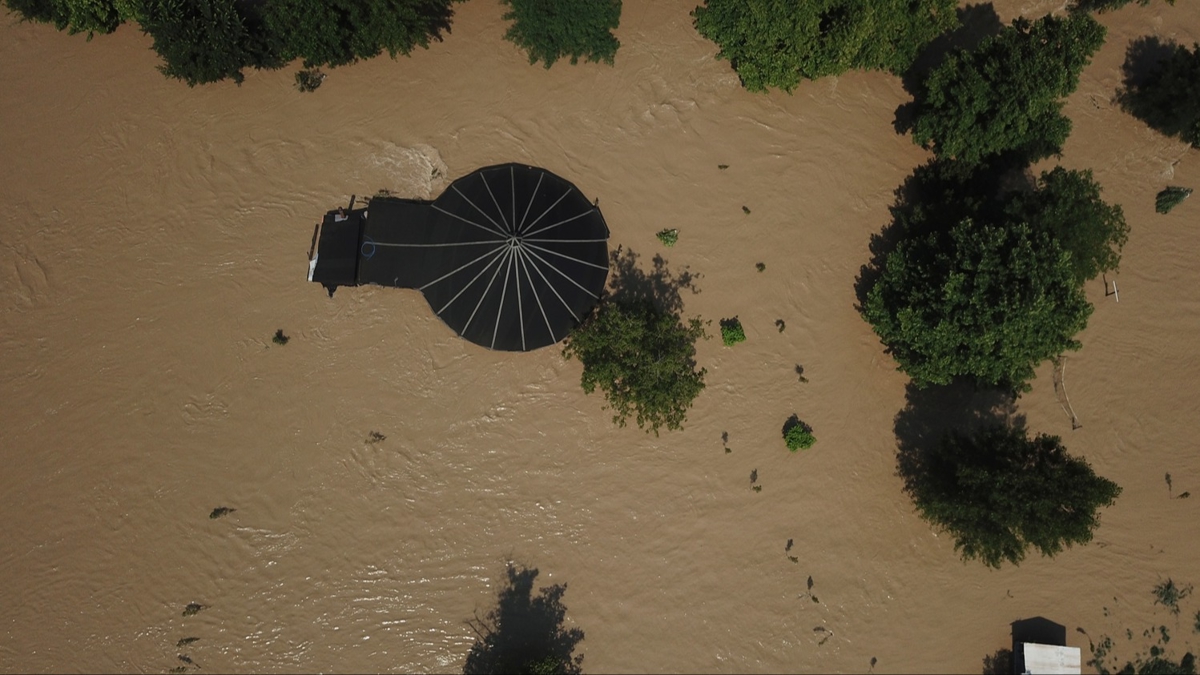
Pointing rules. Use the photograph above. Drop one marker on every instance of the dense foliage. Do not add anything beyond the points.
(981, 300)
(209, 40)
(337, 32)
(552, 29)
(778, 43)
(1067, 205)
(1005, 96)
(206, 40)
(998, 493)
(643, 358)
(77, 16)
(1168, 98)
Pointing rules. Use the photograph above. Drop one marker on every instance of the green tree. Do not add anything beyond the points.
(77, 16)
(1005, 96)
(338, 32)
(1168, 98)
(1067, 205)
(981, 300)
(998, 493)
(552, 29)
(207, 40)
(643, 358)
(778, 43)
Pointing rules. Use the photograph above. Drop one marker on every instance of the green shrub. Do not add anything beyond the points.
(771, 43)
(999, 492)
(1168, 98)
(732, 332)
(1170, 197)
(643, 358)
(668, 236)
(1006, 95)
(552, 29)
(798, 435)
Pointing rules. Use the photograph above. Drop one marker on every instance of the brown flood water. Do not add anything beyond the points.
(153, 238)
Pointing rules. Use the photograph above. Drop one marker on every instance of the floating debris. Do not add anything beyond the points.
(761, 267)
(220, 512)
(183, 642)
(722, 166)
(280, 339)
(746, 210)
(375, 437)
(193, 608)
(788, 548)
(754, 476)
(794, 559)
(187, 659)
(757, 488)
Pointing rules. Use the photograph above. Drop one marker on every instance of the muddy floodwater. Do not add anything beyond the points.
(154, 237)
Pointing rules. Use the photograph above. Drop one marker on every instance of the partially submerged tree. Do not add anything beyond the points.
(1103, 6)
(77, 16)
(974, 280)
(552, 29)
(338, 32)
(1067, 205)
(204, 41)
(1170, 197)
(1006, 95)
(981, 300)
(999, 493)
(643, 359)
(1168, 98)
(773, 43)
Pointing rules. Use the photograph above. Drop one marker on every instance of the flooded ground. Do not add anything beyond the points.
(154, 237)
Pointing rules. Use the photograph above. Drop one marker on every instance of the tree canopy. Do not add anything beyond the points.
(978, 281)
(982, 300)
(1005, 95)
(204, 41)
(643, 358)
(337, 32)
(1067, 205)
(778, 43)
(1168, 98)
(552, 29)
(77, 16)
(999, 493)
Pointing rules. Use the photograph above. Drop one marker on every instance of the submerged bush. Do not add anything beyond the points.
(732, 332)
(668, 236)
(1170, 197)
(798, 435)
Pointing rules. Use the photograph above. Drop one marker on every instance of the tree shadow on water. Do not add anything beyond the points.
(1142, 56)
(525, 633)
(931, 413)
(629, 283)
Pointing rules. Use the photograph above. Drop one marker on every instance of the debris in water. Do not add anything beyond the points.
(788, 548)
(220, 512)
(183, 642)
(193, 608)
